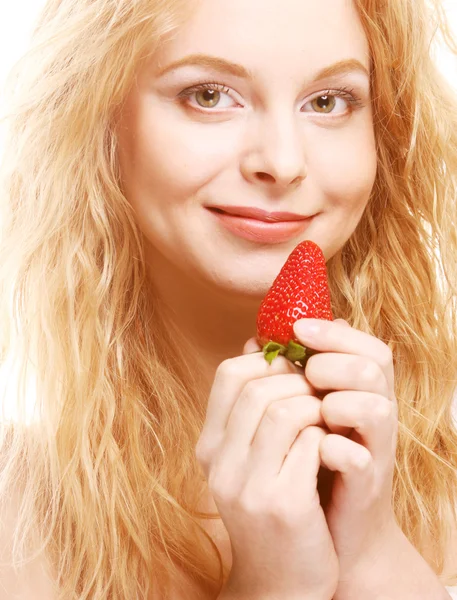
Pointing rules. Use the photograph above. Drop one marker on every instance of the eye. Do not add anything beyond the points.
(325, 103)
(207, 95)
(208, 98)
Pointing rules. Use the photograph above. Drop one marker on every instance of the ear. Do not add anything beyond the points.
(251, 346)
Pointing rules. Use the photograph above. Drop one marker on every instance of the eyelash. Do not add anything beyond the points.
(342, 92)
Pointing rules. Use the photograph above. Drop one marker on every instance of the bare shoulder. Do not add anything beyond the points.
(30, 582)
(450, 565)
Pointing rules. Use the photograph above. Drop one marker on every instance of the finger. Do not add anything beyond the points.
(301, 465)
(236, 452)
(254, 401)
(251, 346)
(352, 461)
(278, 429)
(333, 336)
(373, 417)
(230, 378)
(331, 371)
(342, 321)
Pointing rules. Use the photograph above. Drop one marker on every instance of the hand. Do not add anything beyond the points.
(259, 450)
(360, 409)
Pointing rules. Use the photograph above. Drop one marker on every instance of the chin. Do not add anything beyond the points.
(248, 286)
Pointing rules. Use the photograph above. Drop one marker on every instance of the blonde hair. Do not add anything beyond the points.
(107, 476)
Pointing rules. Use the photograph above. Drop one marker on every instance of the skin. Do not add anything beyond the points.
(266, 143)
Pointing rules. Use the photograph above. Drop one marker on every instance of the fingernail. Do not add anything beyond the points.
(307, 327)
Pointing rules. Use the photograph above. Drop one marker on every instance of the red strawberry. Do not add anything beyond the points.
(299, 291)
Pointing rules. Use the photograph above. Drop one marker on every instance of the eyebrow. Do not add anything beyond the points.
(221, 64)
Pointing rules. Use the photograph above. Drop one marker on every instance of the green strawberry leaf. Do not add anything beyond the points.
(269, 356)
(295, 352)
(271, 351)
(308, 353)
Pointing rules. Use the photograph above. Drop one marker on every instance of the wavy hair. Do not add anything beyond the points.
(105, 470)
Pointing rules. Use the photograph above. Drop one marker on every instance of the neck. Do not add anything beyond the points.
(210, 323)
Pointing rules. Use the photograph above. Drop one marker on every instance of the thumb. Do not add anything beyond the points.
(251, 346)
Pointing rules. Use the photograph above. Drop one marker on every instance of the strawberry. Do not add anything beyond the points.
(299, 291)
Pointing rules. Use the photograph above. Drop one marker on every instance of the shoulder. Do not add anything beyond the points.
(29, 582)
(450, 565)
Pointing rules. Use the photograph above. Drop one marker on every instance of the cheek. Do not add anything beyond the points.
(345, 172)
(173, 156)
(346, 169)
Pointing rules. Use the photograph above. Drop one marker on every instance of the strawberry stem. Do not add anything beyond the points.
(294, 352)
(271, 351)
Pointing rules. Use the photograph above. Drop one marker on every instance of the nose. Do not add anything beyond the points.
(278, 160)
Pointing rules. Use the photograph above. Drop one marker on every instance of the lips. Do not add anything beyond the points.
(263, 229)
(258, 213)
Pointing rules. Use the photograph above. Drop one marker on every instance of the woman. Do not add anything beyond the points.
(164, 459)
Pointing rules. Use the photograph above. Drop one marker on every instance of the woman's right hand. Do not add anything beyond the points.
(259, 450)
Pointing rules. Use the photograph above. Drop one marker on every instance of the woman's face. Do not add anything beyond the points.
(270, 132)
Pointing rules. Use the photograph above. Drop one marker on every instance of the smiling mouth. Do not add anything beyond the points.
(257, 214)
(260, 230)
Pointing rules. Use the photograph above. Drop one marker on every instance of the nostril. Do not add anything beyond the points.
(264, 177)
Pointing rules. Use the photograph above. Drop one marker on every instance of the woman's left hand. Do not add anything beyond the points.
(355, 371)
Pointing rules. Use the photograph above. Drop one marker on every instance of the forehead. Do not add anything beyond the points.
(302, 34)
